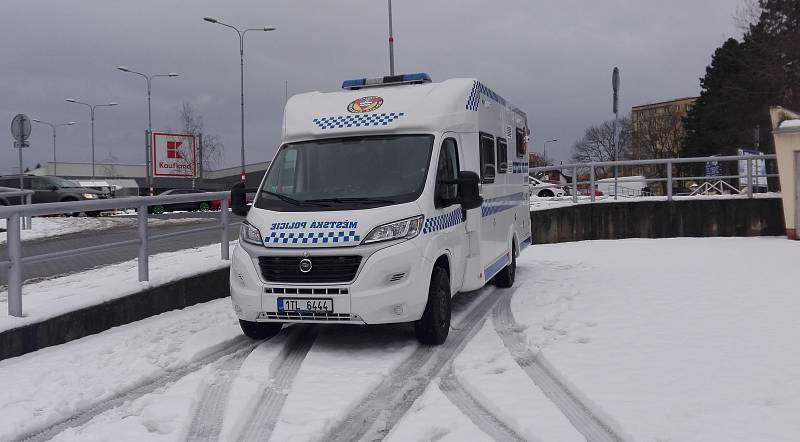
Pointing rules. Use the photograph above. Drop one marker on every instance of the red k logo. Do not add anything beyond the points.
(172, 149)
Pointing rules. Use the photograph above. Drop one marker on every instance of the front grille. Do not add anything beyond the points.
(308, 316)
(324, 269)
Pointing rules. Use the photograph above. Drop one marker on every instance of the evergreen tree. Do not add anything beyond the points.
(744, 79)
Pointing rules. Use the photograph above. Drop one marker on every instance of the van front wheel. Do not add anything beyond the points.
(434, 326)
(260, 330)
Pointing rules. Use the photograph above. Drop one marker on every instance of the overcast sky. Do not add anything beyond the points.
(551, 58)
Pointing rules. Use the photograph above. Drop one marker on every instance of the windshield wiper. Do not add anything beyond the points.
(352, 200)
(296, 202)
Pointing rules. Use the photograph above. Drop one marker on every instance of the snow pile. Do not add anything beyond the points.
(790, 124)
(676, 339)
(52, 297)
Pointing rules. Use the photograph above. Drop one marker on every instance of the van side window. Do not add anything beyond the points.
(502, 155)
(447, 170)
(522, 145)
(488, 165)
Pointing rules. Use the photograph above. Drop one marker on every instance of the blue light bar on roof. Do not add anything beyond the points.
(359, 83)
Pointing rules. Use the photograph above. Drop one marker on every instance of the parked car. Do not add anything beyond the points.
(8, 200)
(52, 189)
(194, 206)
(543, 189)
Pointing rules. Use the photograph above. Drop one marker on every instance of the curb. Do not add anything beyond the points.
(101, 317)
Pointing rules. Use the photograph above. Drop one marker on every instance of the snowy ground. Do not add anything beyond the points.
(537, 203)
(47, 227)
(52, 297)
(651, 340)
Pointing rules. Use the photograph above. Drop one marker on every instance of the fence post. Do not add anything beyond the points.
(591, 183)
(225, 246)
(616, 174)
(669, 181)
(143, 261)
(28, 220)
(575, 185)
(15, 271)
(749, 178)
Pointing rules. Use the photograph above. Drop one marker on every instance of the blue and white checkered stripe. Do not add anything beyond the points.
(361, 120)
(474, 99)
(341, 236)
(520, 167)
(436, 223)
(501, 204)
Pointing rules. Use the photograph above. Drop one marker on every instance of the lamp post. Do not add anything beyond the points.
(391, 41)
(147, 161)
(544, 150)
(241, 70)
(54, 126)
(91, 115)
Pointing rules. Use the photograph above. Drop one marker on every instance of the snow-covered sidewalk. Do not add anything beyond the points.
(53, 297)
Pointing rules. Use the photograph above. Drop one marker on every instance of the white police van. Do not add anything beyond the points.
(384, 200)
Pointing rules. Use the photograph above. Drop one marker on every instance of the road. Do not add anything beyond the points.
(160, 224)
(311, 382)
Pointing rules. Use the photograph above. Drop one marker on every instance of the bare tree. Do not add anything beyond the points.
(610, 141)
(192, 123)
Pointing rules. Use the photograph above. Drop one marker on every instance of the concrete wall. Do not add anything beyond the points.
(659, 219)
(98, 318)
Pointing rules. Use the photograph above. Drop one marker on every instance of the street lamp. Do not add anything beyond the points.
(149, 79)
(241, 68)
(91, 114)
(54, 126)
(544, 150)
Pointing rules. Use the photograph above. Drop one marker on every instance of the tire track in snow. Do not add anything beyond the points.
(282, 372)
(477, 413)
(579, 414)
(239, 344)
(385, 405)
(206, 422)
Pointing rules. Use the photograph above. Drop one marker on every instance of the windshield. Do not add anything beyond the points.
(61, 182)
(347, 173)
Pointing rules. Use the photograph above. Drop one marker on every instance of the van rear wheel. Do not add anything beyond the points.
(434, 326)
(260, 330)
(505, 278)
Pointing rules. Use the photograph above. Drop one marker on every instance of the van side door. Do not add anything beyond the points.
(446, 224)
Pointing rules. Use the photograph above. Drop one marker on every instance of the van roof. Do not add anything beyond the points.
(397, 107)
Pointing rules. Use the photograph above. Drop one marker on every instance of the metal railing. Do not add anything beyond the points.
(28, 195)
(668, 165)
(16, 261)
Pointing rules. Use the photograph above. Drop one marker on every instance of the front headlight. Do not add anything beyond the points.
(89, 196)
(403, 229)
(250, 234)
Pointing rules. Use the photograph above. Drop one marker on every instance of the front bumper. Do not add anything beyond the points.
(391, 285)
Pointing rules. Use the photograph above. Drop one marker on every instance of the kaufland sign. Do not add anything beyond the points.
(173, 155)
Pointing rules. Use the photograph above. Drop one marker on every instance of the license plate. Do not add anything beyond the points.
(305, 305)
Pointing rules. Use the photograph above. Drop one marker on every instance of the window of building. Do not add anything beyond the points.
(488, 165)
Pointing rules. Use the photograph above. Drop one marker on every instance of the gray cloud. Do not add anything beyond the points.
(552, 58)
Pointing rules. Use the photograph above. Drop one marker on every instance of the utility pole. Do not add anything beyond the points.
(391, 41)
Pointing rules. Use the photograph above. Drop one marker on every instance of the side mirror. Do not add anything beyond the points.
(239, 200)
(468, 190)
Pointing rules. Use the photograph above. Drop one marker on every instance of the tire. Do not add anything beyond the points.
(66, 200)
(505, 278)
(158, 210)
(546, 193)
(93, 214)
(205, 206)
(434, 326)
(260, 330)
